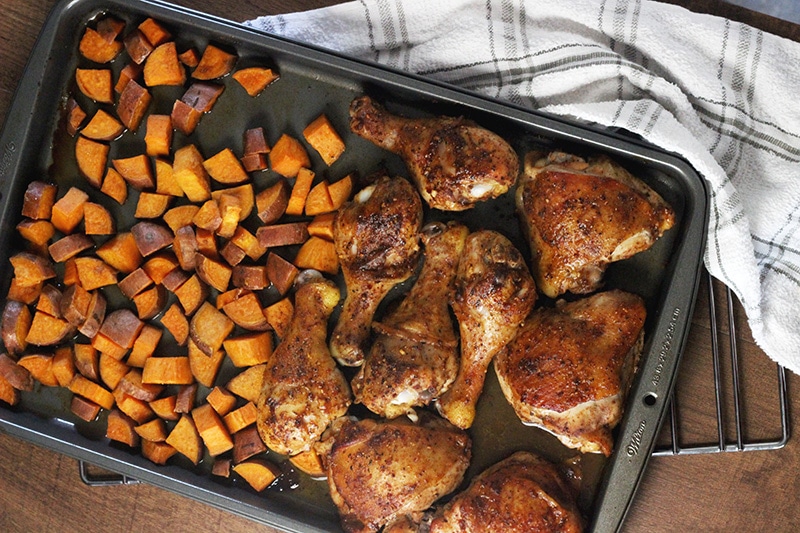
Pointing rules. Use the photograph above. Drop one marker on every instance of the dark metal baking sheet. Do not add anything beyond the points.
(34, 146)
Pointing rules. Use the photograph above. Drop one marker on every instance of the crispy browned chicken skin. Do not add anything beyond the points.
(454, 162)
(581, 215)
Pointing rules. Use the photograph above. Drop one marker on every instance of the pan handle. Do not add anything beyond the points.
(104, 479)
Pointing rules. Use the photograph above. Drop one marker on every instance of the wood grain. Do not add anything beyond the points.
(752, 491)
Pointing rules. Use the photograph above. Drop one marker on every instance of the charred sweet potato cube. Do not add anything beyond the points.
(69, 246)
(136, 170)
(190, 174)
(232, 254)
(202, 96)
(254, 162)
(184, 246)
(151, 237)
(174, 279)
(322, 136)
(224, 167)
(96, 47)
(255, 79)
(288, 156)
(254, 141)
(114, 186)
(273, 201)
(206, 243)
(214, 63)
(281, 273)
(246, 444)
(95, 315)
(121, 252)
(122, 327)
(162, 66)
(97, 220)
(67, 212)
(158, 134)
(37, 204)
(151, 205)
(103, 127)
(96, 84)
(133, 103)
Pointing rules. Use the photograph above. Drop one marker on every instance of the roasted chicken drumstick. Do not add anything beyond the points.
(454, 162)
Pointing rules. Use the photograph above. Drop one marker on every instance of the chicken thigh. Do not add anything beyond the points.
(414, 357)
(581, 215)
(494, 293)
(377, 242)
(303, 390)
(454, 162)
(389, 472)
(569, 368)
(521, 494)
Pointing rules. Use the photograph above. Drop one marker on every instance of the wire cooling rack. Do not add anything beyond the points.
(728, 414)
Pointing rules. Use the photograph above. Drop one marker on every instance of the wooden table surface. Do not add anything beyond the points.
(743, 491)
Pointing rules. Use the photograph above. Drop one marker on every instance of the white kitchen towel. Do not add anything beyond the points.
(722, 94)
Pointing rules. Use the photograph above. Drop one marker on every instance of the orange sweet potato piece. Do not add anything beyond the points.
(254, 141)
(300, 191)
(259, 473)
(122, 327)
(322, 226)
(162, 66)
(37, 204)
(50, 301)
(37, 232)
(191, 294)
(281, 273)
(8, 393)
(150, 302)
(16, 323)
(186, 440)
(165, 178)
(105, 345)
(184, 117)
(74, 304)
(138, 410)
(180, 216)
(175, 322)
(94, 273)
(279, 315)
(111, 370)
(114, 186)
(255, 79)
(248, 350)
(230, 209)
(282, 234)
(248, 242)
(245, 195)
(95, 47)
(92, 391)
(250, 277)
(83, 408)
(67, 212)
(212, 430)
(240, 418)
(92, 158)
(247, 384)
(121, 252)
(319, 200)
(165, 407)
(319, 254)
(144, 346)
(310, 463)
(205, 368)
(224, 167)
(97, 219)
(120, 427)
(47, 330)
(208, 216)
(154, 430)
(129, 72)
(151, 205)
(95, 315)
(16, 375)
(63, 365)
(167, 371)
(87, 361)
(132, 105)
(40, 367)
(69, 246)
(209, 328)
(221, 400)
(247, 443)
(157, 452)
(245, 312)
(75, 117)
(158, 134)
(135, 282)
(215, 273)
(341, 191)
(322, 136)
(136, 170)
(95, 84)
(26, 294)
(191, 175)
(132, 384)
(31, 269)
(254, 162)
(288, 156)
(138, 46)
(160, 265)
(189, 57)
(214, 63)
(151, 237)
(103, 127)
(232, 254)
(184, 245)
(154, 31)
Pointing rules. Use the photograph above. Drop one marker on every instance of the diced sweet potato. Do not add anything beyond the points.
(208, 216)
(259, 473)
(215, 273)
(36, 232)
(322, 136)
(97, 220)
(310, 463)
(175, 322)
(121, 252)
(248, 242)
(247, 384)
(224, 167)
(138, 46)
(87, 361)
(189, 57)
(114, 185)
(180, 216)
(94, 47)
(202, 96)
(17, 320)
(174, 279)
(70, 273)
(212, 430)
(214, 63)
(221, 400)
(319, 254)
(50, 301)
(248, 350)
(165, 407)
(230, 209)
(157, 452)
(245, 195)
(120, 427)
(184, 245)
(154, 431)
(122, 327)
(184, 117)
(190, 174)
(232, 254)
(319, 200)
(255, 79)
(246, 313)
(136, 170)
(158, 134)
(67, 212)
(133, 385)
(135, 282)
(279, 315)
(48, 330)
(75, 116)
(63, 365)
(205, 368)
(300, 192)
(37, 204)
(209, 328)
(165, 178)
(186, 440)
(92, 391)
(241, 418)
(105, 345)
(8, 394)
(160, 265)
(150, 302)
(144, 346)
(167, 371)
(84, 409)
(95, 316)
(129, 72)
(162, 66)
(31, 269)
(151, 205)
(138, 410)
(229, 296)
(133, 103)
(254, 162)
(322, 226)
(154, 31)
(110, 28)
(250, 277)
(282, 234)
(103, 127)
(94, 273)
(74, 304)
(288, 156)
(92, 158)
(16, 375)
(96, 84)
(151, 237)
(191, 294)
(281, 273)
(254, 141)
(69, 246)
(246, 444)
(111, 370)
(341, 191)
(26, 294)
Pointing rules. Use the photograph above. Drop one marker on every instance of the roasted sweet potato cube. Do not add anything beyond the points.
(160, 265)
(31, 269)
(215, 273)
(209, 328)
(184, 117)
(310, 463)
(214, 63)
(190, 174)
(248, 350)
(247, 384)
(40, 367)
(154, 31)
(120, 427)
(74, 304)
(288, 156)
(319, 254)
(254, 162)
(90, 390)
(165, 178)
(139, 411)
(96, 84)
(136, 170)
(103, 127)
(97, 220)
(95, 316)
(245, 195)
(246, 444)
(191, 294)
(135, 282)
(187, 396)
(154, 431)
(105, 345)
(133, 385)
(157, 452)
(272, 201)
(151, 237)
(229, 296)
(207, 243)
(322, 136)
(36, 232)
(230, 209)
(129, 72)
(221, 400)
(84, 409)
(246, 313)
(232, 254)
(279, 315)
(165, 407)
(319, 200)
(255, 79)
(167, 371)
(189, 57)
(158, 134)
(208, 216)
(17, 320)
(75, 116)
(95, 47)
(69, 246)
(26, 294)
(248, 242)
(205, 368)
(17, 376)
(174, 279)
(162, 66)
(87, 361)
(94, 273)
(63, 365)
(241, 418)
(138, 46)
(67, 212)
(132, 105)
(300, 191)
(184, 246)
(111, 370)
(176, 323)
(212, 430)
(144, 346)
(121, 252)
(259, 473)
(254, 141)
(150, 302)
(50, 301)
(250, 277)
(47, 330)
(37, 204)
(180, 216)
(152, 205)
(282, 234)
(202, 96)
(186, 440)
(8, 394)
(92, 158)
(122, 327)
(281, 273)
(224, 167)
(322, 226)
(114, 185)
